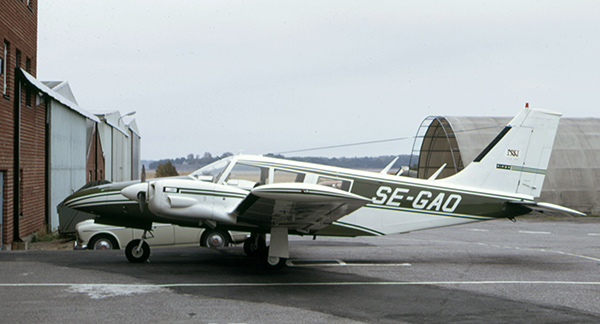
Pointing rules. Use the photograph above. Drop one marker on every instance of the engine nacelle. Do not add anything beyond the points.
(193, 200)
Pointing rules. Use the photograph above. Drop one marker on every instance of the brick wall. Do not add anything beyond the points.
(95, 160)
(18, 29)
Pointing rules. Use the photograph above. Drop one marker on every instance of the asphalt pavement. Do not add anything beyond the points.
(492, 272)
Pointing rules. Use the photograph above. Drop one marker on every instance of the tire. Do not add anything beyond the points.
(103, 242)
(254, 247)
(135, 256)
(214, 238)
(274, 263)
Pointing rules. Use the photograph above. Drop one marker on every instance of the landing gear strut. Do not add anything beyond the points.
(138, 251)
(255, 245)
(279, 251)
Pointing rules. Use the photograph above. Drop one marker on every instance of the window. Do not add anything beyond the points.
(341, 184)
(211, 172)
(247, 177)
(3, 68)
(18, 59)
(280, 176)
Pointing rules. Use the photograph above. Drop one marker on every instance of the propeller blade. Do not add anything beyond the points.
(141, 200)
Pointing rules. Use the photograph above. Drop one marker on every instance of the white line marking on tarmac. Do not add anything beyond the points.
(575, 255)
(533, 232)
(340, 263)
(477, 230)
(594, 234)
(151, 287)
(542, 250)
(104, 291)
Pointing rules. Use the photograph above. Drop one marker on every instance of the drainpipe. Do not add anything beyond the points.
(48, 164)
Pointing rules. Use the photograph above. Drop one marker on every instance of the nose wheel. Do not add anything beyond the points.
(138, 251)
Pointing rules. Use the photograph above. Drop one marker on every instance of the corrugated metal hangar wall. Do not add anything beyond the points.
(573, 177)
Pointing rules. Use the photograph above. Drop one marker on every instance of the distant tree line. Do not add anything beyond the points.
(166, 170)
(193, 162)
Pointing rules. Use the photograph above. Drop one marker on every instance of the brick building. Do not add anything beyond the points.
(22, 125)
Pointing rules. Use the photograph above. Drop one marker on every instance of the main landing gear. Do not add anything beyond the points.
(138, 251)
(273, 256)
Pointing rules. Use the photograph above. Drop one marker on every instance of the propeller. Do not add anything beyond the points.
(141, 200)
(143, 173)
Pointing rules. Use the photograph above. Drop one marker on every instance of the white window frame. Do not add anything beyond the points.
(4, 63)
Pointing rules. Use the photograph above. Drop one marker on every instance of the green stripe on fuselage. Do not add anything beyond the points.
(520, 169)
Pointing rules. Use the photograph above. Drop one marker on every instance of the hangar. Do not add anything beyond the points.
(573, 175)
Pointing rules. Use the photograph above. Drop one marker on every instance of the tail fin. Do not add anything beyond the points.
(517, 159)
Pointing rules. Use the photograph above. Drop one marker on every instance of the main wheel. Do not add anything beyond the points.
(137, 256)
(255, 246)
(275, 263)
(214, 238)
(103, 242)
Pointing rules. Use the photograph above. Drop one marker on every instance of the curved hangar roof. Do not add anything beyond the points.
(573, 177)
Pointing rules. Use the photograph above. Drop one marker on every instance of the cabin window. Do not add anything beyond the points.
(247, 176)
(336, 183)
(280, 176)
(211, 172)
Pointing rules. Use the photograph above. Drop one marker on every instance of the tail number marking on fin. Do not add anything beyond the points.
(512, 153)
(423, 200)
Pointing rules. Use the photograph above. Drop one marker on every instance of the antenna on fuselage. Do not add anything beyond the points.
(389, 166)
(437, 173)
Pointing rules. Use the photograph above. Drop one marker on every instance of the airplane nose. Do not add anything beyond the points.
(132, 191)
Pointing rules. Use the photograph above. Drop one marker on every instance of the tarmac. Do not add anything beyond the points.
(493, 272)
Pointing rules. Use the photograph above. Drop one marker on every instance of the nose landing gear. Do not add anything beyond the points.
(138, 251)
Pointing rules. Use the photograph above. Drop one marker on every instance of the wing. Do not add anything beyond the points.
(542, 207)
(303, 207)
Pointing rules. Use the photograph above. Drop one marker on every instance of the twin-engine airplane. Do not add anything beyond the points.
(280, 197)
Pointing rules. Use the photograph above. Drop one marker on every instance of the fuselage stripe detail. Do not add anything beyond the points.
(520, 169)
(418, 211)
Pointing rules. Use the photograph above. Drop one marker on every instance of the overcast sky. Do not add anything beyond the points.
(273, 76)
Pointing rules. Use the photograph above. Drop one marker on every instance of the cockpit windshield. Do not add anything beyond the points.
(211, 172)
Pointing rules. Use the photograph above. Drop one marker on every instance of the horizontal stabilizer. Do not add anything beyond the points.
(543, 206)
